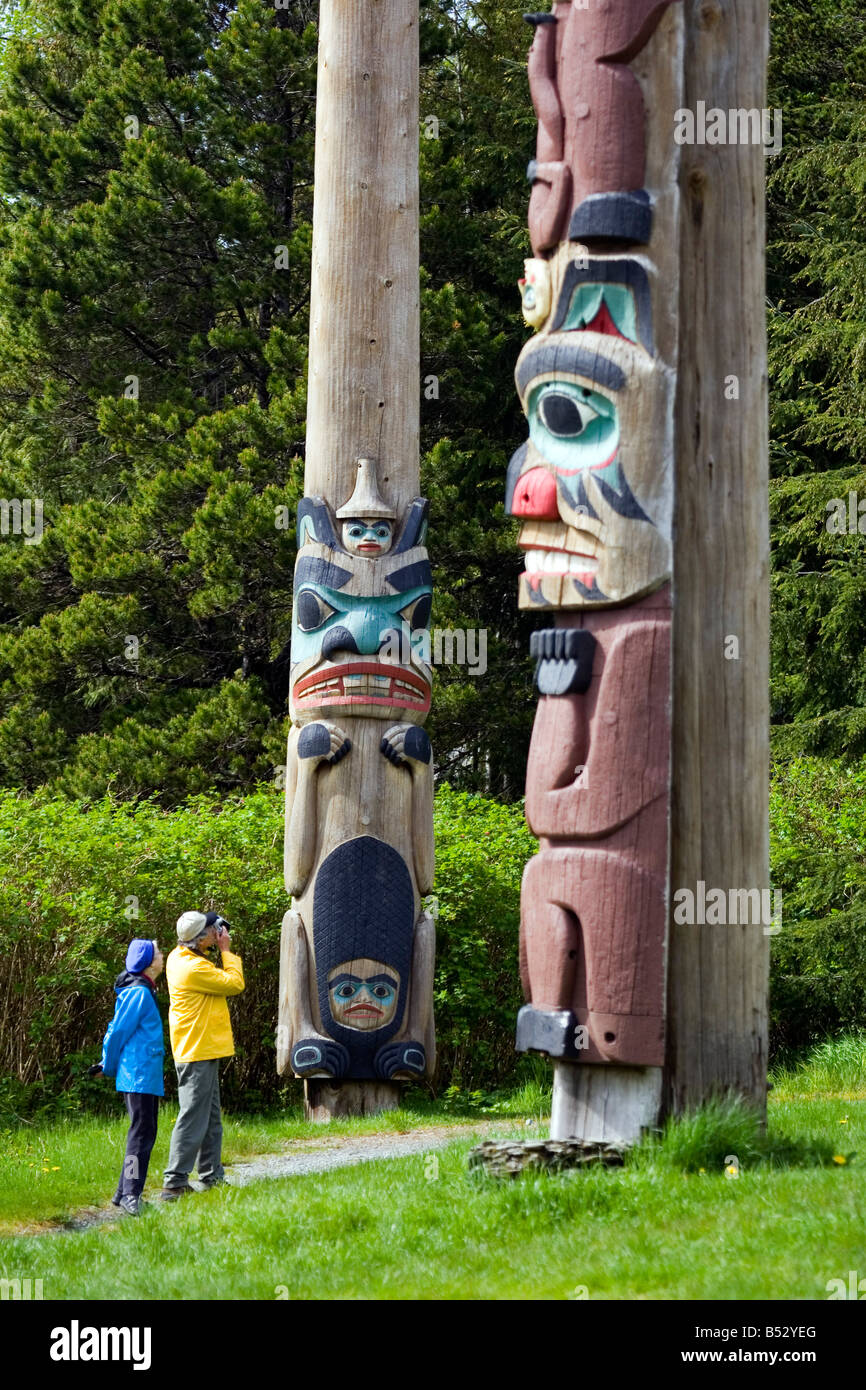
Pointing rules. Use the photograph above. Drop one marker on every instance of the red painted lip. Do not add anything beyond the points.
(370, 545)
(365, 1009)
(418, 697)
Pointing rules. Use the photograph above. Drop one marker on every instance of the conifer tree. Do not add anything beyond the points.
(156, 184)
(817, 331)
(153, 292)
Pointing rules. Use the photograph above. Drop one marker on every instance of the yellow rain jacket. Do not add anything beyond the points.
(198, 1015)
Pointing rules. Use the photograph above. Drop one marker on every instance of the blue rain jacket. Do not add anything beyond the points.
(134, 1047)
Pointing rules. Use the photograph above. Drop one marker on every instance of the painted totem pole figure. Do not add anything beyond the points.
(357, 952)
(588, 174)
(593, 488)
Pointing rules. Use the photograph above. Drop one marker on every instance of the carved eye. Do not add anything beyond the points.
(382, 991)
(417, 613)
(564, 416)
(311, 610)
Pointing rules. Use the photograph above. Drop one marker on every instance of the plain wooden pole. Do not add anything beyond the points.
(364, 363)
(717, 993)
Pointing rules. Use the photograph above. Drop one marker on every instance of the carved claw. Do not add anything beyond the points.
(407, 1059)
(406, 742)
(318, 1056)
(324, 742)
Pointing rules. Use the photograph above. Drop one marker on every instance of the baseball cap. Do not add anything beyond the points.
(190, 925)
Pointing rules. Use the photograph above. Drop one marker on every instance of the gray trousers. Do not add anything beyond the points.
(196, 1140)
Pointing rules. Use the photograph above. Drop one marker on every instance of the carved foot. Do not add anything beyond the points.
(400, 1061)
(554, 1031)
(319, 1057)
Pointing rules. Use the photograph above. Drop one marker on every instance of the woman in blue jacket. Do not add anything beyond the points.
(133, 1050)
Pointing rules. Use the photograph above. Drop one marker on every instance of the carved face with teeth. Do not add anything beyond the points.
(358, 629)
(592, 484)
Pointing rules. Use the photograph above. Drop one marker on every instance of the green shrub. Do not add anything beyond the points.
(481, 850)
(76, 874)
(818, 860)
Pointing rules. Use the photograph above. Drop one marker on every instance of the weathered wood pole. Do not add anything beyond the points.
(357, 949)
(642, 492)
(717, 1010)
(364, 363)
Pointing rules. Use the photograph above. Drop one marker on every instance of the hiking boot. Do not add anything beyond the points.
(131, 1205)
(171, 1194)
(208, 1183)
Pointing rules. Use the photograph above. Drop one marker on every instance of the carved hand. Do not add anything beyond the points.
(406, 745)
(323, 742)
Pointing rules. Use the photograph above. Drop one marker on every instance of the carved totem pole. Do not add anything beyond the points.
(357, 952)
(593, 488)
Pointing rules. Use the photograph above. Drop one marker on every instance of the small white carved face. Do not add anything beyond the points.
(535, 291)
(370, 536)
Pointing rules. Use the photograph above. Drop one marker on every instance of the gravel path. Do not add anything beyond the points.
(318, 1155)
(341, 1153)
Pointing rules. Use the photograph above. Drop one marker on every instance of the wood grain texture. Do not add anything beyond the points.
(328, 1100)
(619, 518)
(604, 1104)
(616, 732)
(718, 975)
(364, 387)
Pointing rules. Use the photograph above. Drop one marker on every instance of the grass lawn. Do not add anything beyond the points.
(49, 1171)
(671, 1225)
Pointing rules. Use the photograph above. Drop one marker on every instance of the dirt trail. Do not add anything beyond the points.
(315, 1155)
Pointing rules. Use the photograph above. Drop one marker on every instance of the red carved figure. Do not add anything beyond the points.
(589, 172)
(593, 902)
(593, 489)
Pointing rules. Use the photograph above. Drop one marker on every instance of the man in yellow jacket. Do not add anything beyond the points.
(201, 1033)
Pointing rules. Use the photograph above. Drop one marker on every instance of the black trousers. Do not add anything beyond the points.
(143, 1118)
